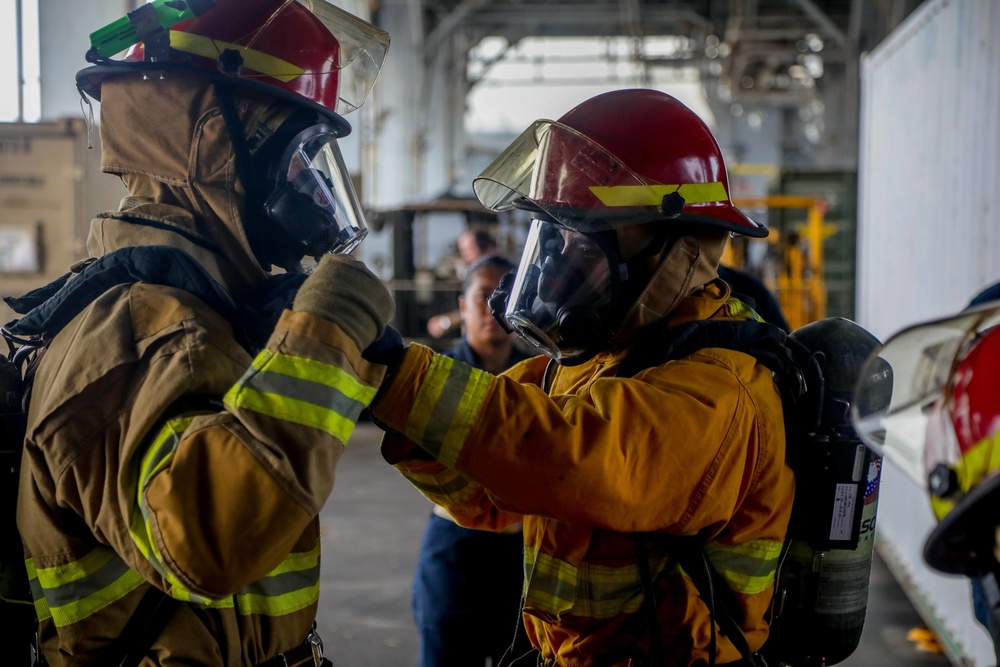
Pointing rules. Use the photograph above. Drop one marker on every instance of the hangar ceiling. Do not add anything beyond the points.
(762, 50)
(794, 55)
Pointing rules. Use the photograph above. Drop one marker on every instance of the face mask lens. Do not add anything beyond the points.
(315, 201)
(564, 284)
(314, 184)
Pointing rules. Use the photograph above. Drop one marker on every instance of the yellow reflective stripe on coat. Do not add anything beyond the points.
(748, 568)
(652, 195)
(445, 407)
(303, 391)
(37, 594)
(291, 586)
(554, 586)
(72, 592)
(156, 458)
(737, 308)
(450, 485)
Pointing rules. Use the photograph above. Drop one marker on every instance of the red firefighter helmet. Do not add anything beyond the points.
(318, 56)
(621, 158)
(942, 427)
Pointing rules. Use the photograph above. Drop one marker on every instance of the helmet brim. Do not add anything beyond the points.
(89, 79)
(962, 541)
(589, 221)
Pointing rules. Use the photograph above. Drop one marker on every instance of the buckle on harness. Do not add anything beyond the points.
(315, 643)
(307, 654)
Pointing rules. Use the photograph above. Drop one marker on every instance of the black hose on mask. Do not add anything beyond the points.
(267, 250)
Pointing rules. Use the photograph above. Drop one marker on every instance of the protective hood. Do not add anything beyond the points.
(167, 140)
(680, 270)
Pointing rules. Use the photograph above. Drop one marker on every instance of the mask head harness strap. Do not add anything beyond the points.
(267, 251)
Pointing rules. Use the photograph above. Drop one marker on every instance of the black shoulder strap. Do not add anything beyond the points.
(797, 370)
(657, 345)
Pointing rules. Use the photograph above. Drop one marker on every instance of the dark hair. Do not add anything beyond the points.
(486, 262)
(483, 240)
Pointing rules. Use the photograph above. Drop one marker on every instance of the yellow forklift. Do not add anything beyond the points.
(793, 268)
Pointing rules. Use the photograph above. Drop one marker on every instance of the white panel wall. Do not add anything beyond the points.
(929, 219)
(929, 237)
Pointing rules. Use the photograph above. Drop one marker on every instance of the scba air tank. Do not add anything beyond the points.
(821, 592)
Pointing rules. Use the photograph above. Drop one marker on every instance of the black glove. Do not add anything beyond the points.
(387, 349)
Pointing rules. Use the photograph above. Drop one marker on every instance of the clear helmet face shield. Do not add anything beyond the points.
(915, 428)
(942, 429)
(575, 181)
(314, 199)
(563, 293)
(308, 52)
(361, 51)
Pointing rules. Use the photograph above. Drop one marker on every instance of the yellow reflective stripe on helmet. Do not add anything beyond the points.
(42, 611)
(652, 195)
(971, 469)
(74, 591)
(748, 568)
(252, 58)
(445, 407)
(979, 461)
(303, 391)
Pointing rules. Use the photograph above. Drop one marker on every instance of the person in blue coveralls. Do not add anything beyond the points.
(466, 590)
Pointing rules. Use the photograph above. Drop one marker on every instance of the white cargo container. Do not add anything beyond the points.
(929, 238)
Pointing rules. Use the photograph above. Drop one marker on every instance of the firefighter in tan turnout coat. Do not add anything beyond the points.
(182, 438)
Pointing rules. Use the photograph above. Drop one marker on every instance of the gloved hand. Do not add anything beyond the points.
(342, 290)
(386, 350)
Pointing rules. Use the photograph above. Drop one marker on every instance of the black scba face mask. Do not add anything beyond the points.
(563, 297)
(313, 199)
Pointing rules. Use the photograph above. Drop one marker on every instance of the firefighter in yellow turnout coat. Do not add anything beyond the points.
(172, 444)
(631, 212)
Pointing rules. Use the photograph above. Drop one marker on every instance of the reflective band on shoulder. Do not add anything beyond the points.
(737, 308)
(748, 568)
(76, 590)
(445, 407)
(303, 391)
(258, 61)
(652, 195)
